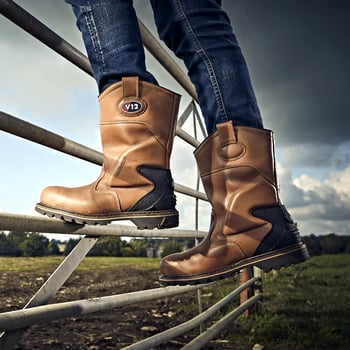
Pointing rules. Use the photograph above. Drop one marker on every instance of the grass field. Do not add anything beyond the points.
(304, 307)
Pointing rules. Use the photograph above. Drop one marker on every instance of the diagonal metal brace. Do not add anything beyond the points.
(49, 289)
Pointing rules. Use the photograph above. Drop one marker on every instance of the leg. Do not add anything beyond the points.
(137, 122)
(249, 226)
(199, 32)
(112, 40)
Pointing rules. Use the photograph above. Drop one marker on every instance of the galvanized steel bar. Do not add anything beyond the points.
(31, 132)
(40, 31)
(200, 341)
(182, 328)
(62, 273)
(40, 314)
(185, 114)
(200, 121)
(49, 289)
(190, 192)
(29, 223)
(199, 291)
(187, 137)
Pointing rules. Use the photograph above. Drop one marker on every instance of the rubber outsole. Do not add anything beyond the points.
(269, 261)
(142, 219)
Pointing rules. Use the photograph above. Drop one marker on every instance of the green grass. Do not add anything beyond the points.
(29, 264)
(51, 262)
(112, 262)
(305, 307)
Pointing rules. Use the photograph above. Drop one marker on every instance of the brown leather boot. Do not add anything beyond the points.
(249, 224)
(137, 121)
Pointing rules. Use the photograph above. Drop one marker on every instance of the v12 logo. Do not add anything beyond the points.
(132, 107)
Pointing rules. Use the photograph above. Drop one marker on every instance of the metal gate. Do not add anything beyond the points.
(38, 310)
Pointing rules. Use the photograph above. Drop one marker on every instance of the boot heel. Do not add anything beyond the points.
(283, 257)
(159, 222)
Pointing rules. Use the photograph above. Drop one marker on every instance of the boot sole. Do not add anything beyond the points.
(269, 261)
(142, 219)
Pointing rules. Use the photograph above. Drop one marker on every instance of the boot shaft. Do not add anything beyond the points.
(137, 122)
(231, 147)
(237, 169)
(234, 157)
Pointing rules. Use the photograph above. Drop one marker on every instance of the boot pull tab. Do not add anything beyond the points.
(130, 87)
(131, 104)
(226, 132)
(230, 148)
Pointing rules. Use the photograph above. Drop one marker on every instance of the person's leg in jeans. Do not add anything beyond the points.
(199, 32)
(112, 40)
(250, 226)
(137, 121)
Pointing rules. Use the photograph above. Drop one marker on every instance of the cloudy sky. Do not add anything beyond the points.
(298, 56)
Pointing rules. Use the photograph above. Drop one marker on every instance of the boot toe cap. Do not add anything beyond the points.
(170, 266)
(50, 195)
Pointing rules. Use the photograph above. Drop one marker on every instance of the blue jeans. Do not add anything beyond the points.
(197, 31)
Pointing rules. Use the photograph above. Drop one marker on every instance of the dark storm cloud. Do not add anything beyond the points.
(298, 55)
(319, 155)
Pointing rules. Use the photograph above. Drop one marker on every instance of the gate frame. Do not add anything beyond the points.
(14, 323)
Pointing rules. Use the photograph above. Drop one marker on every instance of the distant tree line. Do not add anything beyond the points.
(33, 244)
(146, 247)
(328, 244)
(25, 244)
